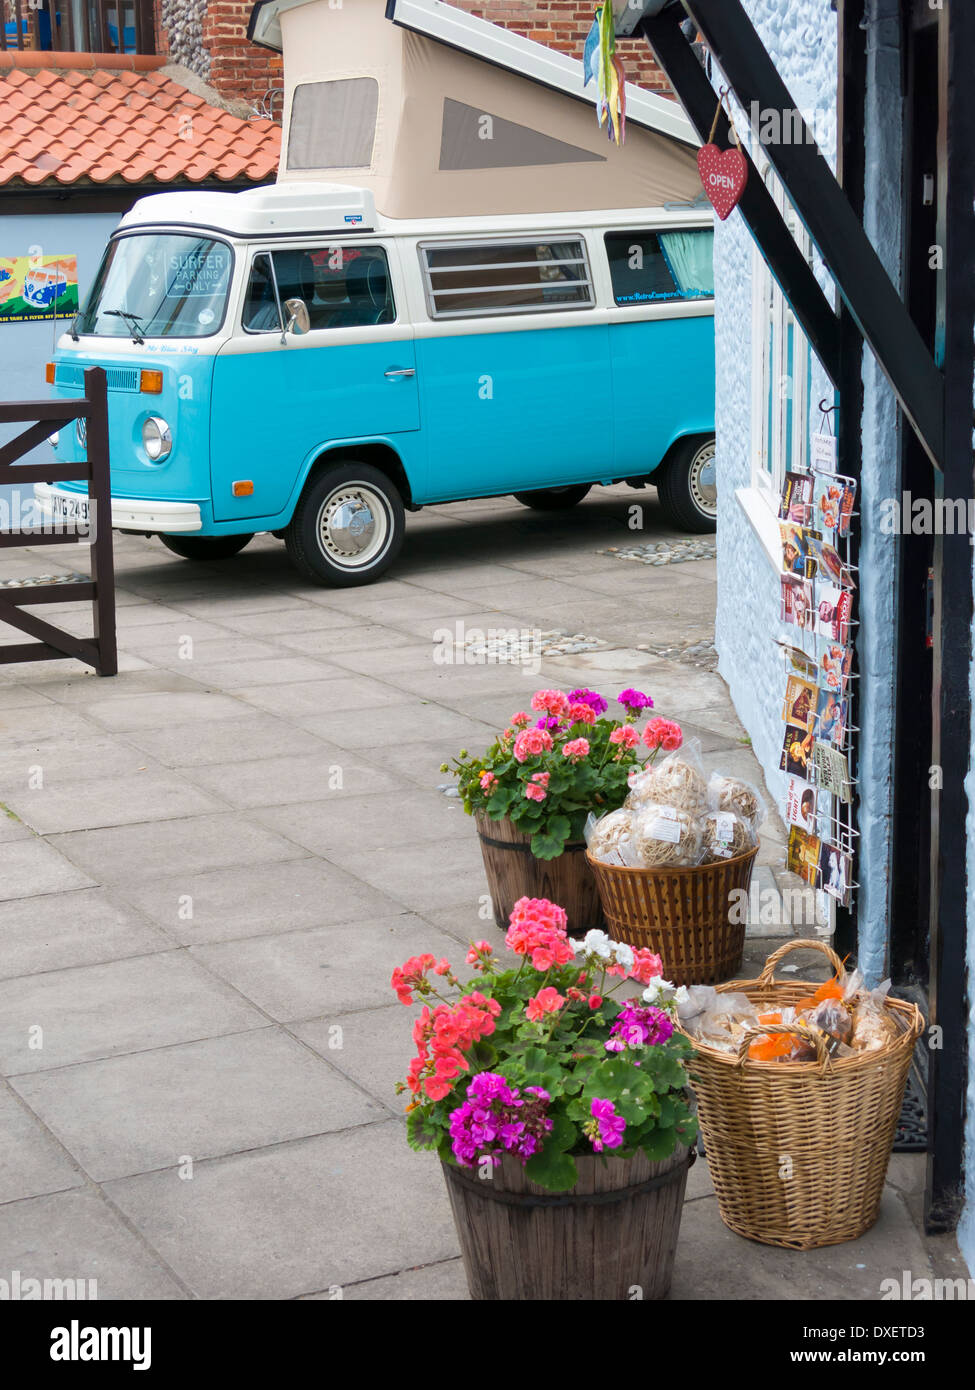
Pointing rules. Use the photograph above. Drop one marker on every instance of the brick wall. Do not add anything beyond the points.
(238, 68)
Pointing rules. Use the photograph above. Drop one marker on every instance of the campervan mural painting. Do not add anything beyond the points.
(286, 360)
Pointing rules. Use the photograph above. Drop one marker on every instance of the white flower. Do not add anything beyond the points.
(597, 943)
(660, 991)
(681, 995)
(624, 956)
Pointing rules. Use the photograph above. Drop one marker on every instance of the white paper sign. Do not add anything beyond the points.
(824, 451)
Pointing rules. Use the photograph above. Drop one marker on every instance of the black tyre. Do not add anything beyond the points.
(687, 486)
(347, 528)
(554, 499)
(205, 547)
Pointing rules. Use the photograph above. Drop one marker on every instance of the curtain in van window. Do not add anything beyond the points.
(690, 259)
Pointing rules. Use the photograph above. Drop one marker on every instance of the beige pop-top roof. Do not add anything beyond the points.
(433, 131)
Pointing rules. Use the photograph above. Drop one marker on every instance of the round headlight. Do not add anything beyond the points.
(157, 439)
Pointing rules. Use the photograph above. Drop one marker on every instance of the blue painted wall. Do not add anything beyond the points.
(26, 347)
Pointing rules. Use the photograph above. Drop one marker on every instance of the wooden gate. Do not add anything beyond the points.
(95, 531)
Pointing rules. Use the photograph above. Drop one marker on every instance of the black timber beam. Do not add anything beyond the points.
(948, 1071)
(774, 240)
(831, 222)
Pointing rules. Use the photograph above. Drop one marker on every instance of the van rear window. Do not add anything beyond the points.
(647, 266)
(468, 279)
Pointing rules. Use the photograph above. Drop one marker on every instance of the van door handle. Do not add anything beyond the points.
(401, 371)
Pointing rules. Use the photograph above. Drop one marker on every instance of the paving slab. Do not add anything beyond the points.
(92, 1011)
(324, 970)
(76, 1236)
(31, 1162)
(443, 1282)
(60, 930)
(263, 1225)
(714, 1263)
(313, 699)
(197, 745)
(153, 1110)
(30, 868)
(331, 775)
(413, 720)
(102, 801)
(411, 876)
(254, 900)
(376, 1044)
(339, 827)
(131, 852)
(149, 711)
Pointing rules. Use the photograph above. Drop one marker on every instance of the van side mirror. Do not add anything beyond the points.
(296, 318)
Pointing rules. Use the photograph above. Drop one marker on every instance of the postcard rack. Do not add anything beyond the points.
(817, 519)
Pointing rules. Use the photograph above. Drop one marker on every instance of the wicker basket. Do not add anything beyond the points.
(798, 1151)
(684, 915)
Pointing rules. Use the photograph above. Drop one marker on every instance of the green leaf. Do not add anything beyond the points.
(658, 1144)
(422, 1132)
(552, 1169)
(563, 1134)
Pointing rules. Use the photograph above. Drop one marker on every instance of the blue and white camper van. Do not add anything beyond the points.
(285, 360)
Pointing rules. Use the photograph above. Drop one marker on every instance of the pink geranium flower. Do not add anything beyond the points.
(575, 749)
(626, 735)
(663, 733)
(550, 701)
(488, 782)
(534, 792)
(530, 743)
(546, 1001)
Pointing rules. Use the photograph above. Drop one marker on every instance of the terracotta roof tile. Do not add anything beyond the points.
(84, 118)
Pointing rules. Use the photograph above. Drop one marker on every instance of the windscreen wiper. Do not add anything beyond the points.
(130, 319)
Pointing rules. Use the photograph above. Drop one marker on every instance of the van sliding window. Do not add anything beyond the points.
(470, 279)
(648, 266)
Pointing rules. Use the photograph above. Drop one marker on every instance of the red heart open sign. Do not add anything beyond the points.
(724, 174)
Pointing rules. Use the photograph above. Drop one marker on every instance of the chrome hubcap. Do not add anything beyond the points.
(353, 525)
(703, 479)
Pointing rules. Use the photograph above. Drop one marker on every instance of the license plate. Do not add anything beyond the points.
(71, 509)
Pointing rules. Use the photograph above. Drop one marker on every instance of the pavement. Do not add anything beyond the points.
(211, 863)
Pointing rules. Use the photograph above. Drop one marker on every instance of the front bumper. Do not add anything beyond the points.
(128, 513)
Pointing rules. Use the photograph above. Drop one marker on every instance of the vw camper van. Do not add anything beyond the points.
(287, 360)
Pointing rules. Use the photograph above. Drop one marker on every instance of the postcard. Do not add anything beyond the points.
(833, 607)
(836, 869)
(831, 718)
(832, 771)
(797, 751)
(801, 700)
(797, 603)
(802, 855)
(800, 805)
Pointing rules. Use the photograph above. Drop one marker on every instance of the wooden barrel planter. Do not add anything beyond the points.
(612, 1233)
(513, 872)
(684, 915)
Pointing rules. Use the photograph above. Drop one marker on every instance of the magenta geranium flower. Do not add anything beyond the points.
(605, 1130)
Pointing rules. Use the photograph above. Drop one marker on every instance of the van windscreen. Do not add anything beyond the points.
(159, 286)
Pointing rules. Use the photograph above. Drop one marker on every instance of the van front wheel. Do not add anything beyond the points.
(553, 499)
(687, 486)
(347, 528)
(205, 547)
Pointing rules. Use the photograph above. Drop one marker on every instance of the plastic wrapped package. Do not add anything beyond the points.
(666, 837)
(678, 780)
(724, 835)
(731, 794)
(608, 838)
